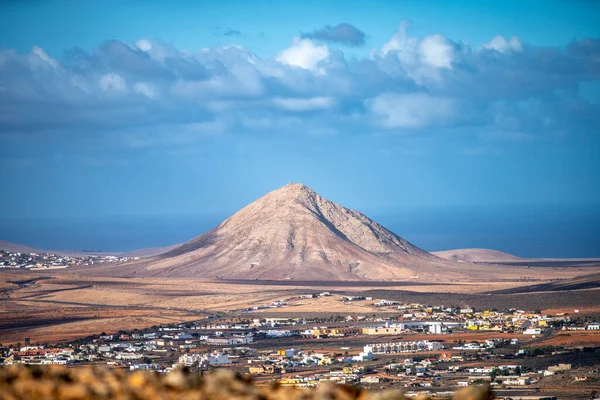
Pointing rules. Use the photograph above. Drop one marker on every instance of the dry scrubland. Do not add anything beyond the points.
(287, 235)
(53, 306)
(96, 383)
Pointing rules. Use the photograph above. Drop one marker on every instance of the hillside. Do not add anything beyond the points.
(294, 233)
(11, 247)
(591, 281)
(477, 255)
(21, 248)
(291, 233)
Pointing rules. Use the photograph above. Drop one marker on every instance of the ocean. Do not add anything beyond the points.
(527, 231)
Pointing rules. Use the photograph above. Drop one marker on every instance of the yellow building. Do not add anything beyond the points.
(259, 369)
(382, 331)
(326, 360)
(289, 382)
(493, 328)
(352, 370)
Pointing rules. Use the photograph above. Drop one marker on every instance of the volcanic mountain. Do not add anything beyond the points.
(294, 233)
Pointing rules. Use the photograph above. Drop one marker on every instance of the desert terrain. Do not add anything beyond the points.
(290, 242)
(56, 305)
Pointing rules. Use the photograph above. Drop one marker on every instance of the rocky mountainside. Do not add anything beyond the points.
(294, 233)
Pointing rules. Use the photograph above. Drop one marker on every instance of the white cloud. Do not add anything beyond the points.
(112, 82)
(300, 104)
(400, 41)
(45, 57)
(501, 45)
(409, 84)
(144, 45)
(241, 80)
(437, 51)
(145, 89)
(304, 53)
(411, 111)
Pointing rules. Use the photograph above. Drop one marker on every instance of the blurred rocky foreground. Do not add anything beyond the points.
(55, 382)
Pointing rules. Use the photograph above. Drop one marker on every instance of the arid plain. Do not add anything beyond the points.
(51, 306)
(289, 243)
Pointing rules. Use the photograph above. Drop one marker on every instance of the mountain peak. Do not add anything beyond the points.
(294, 187)
(292, 193)
(294, 233)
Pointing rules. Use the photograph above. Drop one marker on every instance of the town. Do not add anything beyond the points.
(420, 348)
(42, 261)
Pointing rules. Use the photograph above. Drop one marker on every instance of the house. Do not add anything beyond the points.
(559, 367)
(532, 331)
(369, 379)
(363, 356)
(257, 370)
(394, 330)
(266, 369)
(286, 353)
(593, 327)
(204, 359)
(128, 356)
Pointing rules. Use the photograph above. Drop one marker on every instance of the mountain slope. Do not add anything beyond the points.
(11, 247)
(291, 233)
(477, 255)
(147, 252)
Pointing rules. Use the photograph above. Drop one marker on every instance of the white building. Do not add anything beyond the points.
(532, 331)
(128, 356)
(365, 355)
(211, 359)
(593, 327)
(403, 347)
(436, 328)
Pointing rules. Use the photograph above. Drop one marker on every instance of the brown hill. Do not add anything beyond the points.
(477, 255)
(147, 252)
(291, 233)
(11, 247)
(591, 281)
(294, 233)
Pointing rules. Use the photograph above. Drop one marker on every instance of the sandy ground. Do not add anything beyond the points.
(572, 338)
(53, 305)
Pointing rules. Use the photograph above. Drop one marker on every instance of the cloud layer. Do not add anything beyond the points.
(150, 93)
(343, 33)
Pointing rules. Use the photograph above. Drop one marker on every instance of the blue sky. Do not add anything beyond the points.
(191, 107)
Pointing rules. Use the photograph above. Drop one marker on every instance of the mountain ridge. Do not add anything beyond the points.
(12, 247)
(294, 233)
(477, 255)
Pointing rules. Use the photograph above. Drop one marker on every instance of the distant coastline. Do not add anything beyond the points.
(525, 231)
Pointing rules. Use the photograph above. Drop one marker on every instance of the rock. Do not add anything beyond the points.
(20, 382)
